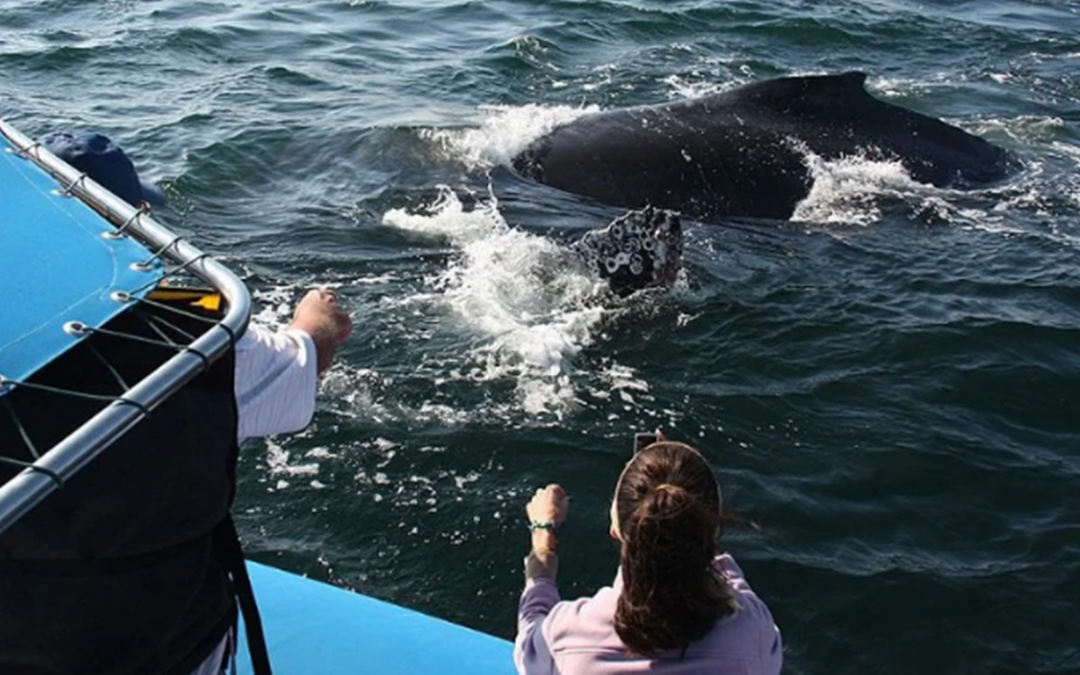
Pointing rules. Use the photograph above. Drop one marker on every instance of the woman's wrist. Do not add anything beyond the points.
(544, 541)
(546, 511)
(543, 559)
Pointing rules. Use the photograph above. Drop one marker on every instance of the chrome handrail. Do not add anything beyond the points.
(30, 486)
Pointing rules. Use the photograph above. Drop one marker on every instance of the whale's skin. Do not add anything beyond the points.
(744, 152)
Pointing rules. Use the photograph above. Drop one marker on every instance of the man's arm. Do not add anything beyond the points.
(277, 372)
(320, 316)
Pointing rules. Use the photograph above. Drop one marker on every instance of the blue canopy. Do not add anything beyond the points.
(55, 267)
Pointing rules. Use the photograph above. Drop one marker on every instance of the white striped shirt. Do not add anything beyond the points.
(276, 381)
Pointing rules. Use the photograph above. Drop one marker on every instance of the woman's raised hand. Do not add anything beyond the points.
(549, 504)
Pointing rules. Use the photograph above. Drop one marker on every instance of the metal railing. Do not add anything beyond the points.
(59, 463)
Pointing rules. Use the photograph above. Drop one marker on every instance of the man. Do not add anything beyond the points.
(134, 567)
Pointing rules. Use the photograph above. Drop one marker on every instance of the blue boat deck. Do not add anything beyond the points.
(312, 627)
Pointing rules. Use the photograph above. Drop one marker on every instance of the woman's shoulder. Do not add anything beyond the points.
(751, 608)
(749, 635)
(726, 566)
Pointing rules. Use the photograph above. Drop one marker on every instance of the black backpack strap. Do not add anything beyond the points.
(231, 557)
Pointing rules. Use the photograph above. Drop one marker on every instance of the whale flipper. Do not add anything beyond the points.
(640, 249)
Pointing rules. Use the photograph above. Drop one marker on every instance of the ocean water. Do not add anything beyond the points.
(887, 384)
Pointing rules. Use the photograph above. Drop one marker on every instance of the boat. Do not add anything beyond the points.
(78, 263)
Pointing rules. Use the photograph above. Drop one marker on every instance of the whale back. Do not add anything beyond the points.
(835, 116)
(744, 152)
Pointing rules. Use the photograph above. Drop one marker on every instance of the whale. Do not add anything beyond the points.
(747, 151)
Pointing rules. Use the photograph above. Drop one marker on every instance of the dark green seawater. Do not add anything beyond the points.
(888, 385)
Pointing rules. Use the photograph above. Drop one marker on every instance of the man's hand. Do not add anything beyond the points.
(319, 315)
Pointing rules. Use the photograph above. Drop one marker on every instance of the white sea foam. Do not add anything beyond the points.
(277, 461)
(528, 303)
(850, 190)
(274, 306)
(1022, 129)
(847, 190)
(900, 87)
(687, 88)
(504, 132)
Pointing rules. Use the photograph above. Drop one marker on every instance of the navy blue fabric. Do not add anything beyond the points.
(98, 157)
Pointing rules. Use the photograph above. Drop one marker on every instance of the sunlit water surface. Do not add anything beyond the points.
(887, 384)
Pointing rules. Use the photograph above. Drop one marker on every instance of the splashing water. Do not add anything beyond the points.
(847, 190)
(529, 303)
(505, 132)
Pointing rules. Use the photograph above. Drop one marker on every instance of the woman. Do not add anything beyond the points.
(676, 606)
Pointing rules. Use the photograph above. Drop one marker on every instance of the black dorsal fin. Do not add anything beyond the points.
(785, 91)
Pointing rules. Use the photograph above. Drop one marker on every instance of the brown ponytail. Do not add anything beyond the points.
(667, 507)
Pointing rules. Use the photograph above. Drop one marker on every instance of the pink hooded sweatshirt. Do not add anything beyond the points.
(578, 637)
